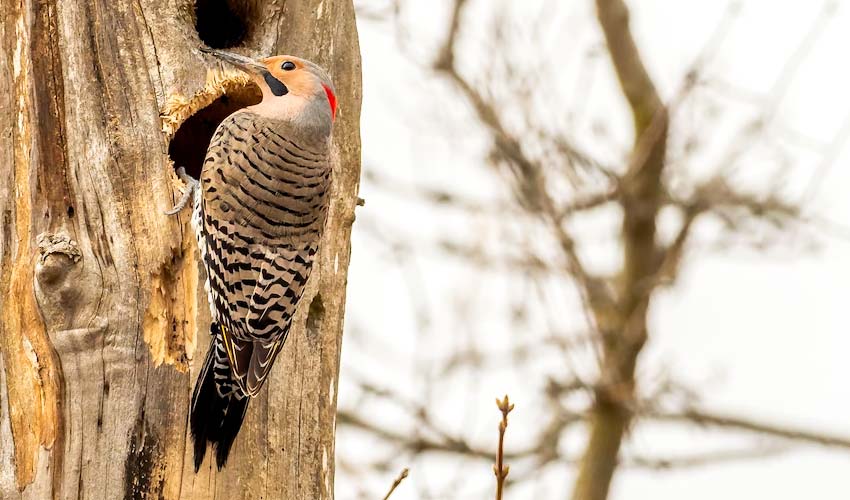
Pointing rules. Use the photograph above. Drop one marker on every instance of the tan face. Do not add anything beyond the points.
(284, 77)
(294, 74)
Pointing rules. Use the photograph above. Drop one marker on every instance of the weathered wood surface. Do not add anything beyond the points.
(104, 320)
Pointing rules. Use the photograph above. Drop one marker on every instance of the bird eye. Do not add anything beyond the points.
(288, 66)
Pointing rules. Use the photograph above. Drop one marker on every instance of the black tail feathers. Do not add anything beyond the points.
(218, 405)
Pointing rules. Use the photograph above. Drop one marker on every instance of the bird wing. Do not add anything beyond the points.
(280, 283)
(256, 277)
(256, 293)
(262, 359)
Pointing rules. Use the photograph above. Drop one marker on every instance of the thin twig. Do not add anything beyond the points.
(398, 480)
(500, 469)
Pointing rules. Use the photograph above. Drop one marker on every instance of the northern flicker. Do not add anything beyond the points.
(259, 213)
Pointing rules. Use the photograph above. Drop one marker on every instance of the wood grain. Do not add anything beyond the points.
(104, 318)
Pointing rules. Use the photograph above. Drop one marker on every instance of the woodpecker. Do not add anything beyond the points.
(260, 208)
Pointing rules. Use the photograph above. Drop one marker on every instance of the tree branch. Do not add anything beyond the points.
(529, 176)
(420, 444)
(711, 419)
(624, 329)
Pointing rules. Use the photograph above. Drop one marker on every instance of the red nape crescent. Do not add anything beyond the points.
(331, 100)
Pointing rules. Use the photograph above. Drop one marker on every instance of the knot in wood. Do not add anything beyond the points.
(57, 254)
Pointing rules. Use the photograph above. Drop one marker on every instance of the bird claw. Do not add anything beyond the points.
(191, 186)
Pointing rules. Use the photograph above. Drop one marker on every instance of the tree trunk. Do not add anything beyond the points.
(104, 317)
(624, 330)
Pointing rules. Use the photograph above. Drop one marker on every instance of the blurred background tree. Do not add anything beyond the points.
(546, 196)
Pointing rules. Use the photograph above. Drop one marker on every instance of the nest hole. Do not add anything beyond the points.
(221, 24)
(188, 147)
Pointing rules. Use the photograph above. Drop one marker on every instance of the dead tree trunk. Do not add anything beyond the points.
(104, 318)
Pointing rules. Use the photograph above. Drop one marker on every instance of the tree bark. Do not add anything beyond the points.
(104, 319)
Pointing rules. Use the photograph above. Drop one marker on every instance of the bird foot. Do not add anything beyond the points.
(191, 186)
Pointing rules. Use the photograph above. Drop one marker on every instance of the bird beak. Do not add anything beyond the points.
(244, 63)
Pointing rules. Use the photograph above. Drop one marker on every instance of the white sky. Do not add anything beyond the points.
(761, 336)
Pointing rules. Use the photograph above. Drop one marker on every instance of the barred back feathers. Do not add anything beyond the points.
(259, 215)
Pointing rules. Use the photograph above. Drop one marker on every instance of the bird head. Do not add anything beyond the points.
(292, 87)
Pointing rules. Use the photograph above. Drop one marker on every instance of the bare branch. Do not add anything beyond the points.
(704, 459)
(418, 445)
(528, 175)
(500, 469)
(669, 270)
(635, 82)
(733, 206)
(537, 162)
(401, 477)
(711, 419)
(546, 454)
(588, 202)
